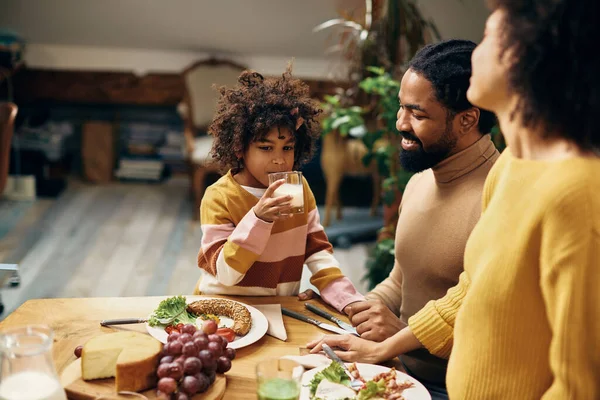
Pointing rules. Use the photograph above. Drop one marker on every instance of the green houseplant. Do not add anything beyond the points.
(377, 42)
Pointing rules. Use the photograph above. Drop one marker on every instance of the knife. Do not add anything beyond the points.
(304, 318)
(344, 325)
(123, 321)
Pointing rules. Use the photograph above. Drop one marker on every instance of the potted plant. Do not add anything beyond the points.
(376, 42)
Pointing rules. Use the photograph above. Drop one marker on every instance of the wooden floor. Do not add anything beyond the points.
(112, 240)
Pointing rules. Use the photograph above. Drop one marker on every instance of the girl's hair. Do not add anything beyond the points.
(246, 113)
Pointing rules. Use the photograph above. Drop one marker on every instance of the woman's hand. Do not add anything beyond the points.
(351, 348)
(271, 208)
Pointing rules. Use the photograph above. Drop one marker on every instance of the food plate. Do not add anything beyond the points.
(257, 330)
(368, 371)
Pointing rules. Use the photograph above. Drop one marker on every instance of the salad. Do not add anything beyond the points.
(176, 308)
(332, 383)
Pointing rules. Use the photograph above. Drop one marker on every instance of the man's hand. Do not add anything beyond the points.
(374, 320)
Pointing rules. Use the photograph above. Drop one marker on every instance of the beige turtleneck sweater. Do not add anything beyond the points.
(440, 207)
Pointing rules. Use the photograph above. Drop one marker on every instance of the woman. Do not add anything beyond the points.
(524, 320)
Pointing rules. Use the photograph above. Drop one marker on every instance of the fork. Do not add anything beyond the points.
(355, 384)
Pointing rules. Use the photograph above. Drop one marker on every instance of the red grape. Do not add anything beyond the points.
(230, 353)
(192, 366)
(215, 349)
(185, 337)
(223, 364)
(198, 334)
(189, 328)
(173, 336)
(190, 349)
(209, 326)
(175, 348)
(78, 351)
(166, 359)
(212, 375)
(208, 362)
(224, 343)
(180, 360)
(167, 385)
(215, 338)
(190, 385)
(201, 343)
(203, 381)
(181, 396)
(175, 371)
(162, 396)
(163, 370)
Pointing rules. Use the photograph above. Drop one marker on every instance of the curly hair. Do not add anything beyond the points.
(556, 72)
(247, 112)
(447, 65)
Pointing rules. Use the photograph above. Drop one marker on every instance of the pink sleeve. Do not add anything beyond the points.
(341, 292)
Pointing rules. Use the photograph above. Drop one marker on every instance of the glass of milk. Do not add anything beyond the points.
(27, 370)
(293, 186)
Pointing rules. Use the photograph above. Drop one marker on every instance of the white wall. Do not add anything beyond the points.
(142, 61)
(454, 19)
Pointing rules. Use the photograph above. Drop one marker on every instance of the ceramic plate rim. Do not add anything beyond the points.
(422, 391)
(259, 323)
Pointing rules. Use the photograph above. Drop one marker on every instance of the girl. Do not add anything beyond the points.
(251, 246)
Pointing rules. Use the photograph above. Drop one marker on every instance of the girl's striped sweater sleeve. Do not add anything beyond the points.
(335, 288)
(228, 251)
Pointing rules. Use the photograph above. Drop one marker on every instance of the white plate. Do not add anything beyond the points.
(257, 330)
(368, 371)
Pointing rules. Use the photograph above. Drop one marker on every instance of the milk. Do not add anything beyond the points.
(297, 193)
(31, 385)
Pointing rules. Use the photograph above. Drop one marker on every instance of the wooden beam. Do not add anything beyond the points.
(98, 87)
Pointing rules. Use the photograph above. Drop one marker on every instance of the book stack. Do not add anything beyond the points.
(146, 168)
(140, 159)
(172, 151)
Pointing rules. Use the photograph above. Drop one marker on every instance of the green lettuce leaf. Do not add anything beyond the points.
(333, 373)
(171, 307)
(372, 390)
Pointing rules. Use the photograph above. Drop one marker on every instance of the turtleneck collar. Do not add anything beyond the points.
(465, 161)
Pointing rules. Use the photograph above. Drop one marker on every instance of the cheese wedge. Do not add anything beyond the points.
(130, 357)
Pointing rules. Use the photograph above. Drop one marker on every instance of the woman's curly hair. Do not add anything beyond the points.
(246, 113)
(557, 68)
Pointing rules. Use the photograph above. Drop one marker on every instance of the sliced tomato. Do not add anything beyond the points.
(227, 333)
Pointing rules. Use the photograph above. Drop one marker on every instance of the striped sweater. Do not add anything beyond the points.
(244, 255)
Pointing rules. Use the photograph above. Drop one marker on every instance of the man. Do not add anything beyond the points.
(445, 140)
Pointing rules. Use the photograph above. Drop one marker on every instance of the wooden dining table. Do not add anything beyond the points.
(75, 320)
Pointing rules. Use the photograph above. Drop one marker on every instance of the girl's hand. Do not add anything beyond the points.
(271, 208)
(351, 348)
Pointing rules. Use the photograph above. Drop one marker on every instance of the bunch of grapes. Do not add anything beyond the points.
(191, 361)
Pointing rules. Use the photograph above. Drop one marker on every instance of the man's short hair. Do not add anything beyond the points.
(447, 65)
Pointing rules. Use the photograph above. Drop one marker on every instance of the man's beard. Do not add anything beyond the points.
(419, 160)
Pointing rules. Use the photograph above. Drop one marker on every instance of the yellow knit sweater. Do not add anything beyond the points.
(524, 320)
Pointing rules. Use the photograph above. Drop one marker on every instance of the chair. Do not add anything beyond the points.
(8, 113)
(9, 273)
(197, 109)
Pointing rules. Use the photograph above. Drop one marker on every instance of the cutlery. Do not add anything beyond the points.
(355, 384)
(344, 325)
(125, 321)
(304, 318)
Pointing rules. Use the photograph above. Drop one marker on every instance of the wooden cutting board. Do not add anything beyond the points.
(78, 389)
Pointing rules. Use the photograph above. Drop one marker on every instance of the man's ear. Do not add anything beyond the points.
(468, 120)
